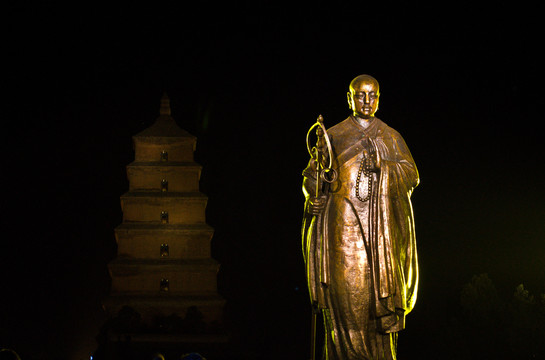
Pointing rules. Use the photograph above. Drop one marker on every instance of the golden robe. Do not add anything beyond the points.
(360, 256)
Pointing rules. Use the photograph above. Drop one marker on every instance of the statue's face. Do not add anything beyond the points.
(363, 98)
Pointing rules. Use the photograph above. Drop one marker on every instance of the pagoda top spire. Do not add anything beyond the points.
(164, 126)
(165, 105)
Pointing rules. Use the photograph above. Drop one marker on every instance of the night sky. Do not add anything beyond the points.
(463, 86)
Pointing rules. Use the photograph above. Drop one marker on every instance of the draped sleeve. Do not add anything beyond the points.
(398, 261)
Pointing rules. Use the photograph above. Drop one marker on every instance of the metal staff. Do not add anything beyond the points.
(319, 157)
(320, 144)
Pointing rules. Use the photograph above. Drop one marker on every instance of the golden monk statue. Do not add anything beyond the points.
(358, 231)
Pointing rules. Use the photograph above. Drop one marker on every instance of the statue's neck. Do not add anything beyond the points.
(365, 123)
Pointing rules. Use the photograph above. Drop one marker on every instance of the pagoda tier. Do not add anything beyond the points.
(144, 241)
(149, 176)
(166, 208)
(164, 266)
(180, 277)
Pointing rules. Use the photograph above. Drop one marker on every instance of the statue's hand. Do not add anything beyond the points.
(315, 205)
(375, 161)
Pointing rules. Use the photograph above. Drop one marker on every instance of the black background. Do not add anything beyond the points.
(463, 85)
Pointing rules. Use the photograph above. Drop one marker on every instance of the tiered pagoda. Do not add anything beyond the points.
(163, 266)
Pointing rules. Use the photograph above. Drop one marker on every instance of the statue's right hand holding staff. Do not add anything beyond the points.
(315, 205)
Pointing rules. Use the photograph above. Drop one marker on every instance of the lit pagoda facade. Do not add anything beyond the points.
(163, 266)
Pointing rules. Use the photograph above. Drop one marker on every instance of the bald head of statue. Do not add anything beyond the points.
(363, 96)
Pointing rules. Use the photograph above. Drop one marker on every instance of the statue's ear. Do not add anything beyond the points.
(349, 98)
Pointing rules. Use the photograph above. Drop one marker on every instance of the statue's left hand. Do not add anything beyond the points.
(375, 162)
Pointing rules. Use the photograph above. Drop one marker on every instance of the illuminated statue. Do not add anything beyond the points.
(358, 230)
